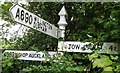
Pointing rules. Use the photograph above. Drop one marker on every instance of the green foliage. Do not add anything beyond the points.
(99, 20)
(104, 62)
(64, 63)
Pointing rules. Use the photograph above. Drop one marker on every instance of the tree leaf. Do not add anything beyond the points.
(108, 69)
(79, 68)
(114, 58)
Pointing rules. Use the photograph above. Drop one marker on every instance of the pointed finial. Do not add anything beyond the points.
(62, 14)
(63, 11)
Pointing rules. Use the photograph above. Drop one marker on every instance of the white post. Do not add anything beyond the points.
(62, 23)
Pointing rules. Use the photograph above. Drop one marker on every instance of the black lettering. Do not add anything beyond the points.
(35, 20)
(26, 17)
(43, 56)
(37, 23)
(66, 47)
(44, 28)
(77, 46)
(38, 56)
(73, 46)
(17, 14)
(41, 25)
(22, 15)
(34, 55)
(69, 46)
(30, 19)
(34, 26)
(30, 55)
(24, 54)
(50, 27)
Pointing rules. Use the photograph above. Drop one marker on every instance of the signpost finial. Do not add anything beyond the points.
(63, 11)
(62, 22)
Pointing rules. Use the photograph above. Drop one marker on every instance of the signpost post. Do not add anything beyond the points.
(22, 16)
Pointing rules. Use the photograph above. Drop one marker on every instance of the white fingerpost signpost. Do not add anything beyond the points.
(24, 17)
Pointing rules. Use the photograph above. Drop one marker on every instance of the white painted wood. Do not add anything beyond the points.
(74, 46)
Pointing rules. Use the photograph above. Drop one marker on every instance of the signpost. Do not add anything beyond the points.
(31, 55)
(22, 16)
